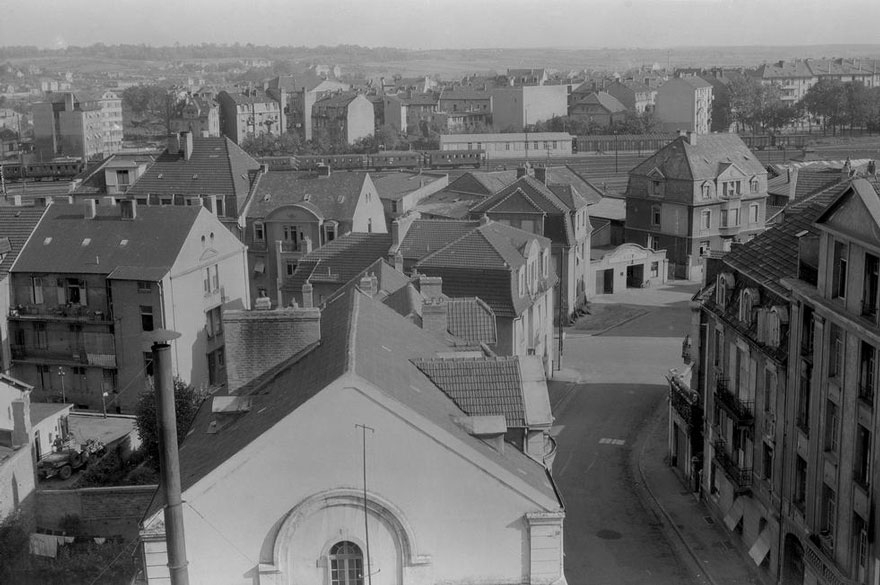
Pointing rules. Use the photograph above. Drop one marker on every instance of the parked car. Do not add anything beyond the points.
(63, 462)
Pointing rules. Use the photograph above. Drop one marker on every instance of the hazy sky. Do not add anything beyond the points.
(432, 24)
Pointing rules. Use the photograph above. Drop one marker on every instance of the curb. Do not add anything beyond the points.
(657, 505)
(598, 332)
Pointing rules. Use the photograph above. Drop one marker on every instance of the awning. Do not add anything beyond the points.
(260, 267)
(734, 515)
(761, 547)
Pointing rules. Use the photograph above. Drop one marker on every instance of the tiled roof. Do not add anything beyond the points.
(471, 320)
(217, 166)
(359, 336)
(337, 100)
(681, 160)
(480, 386)
(607, 101)
(447, 205)
(482, 182)
(586, 192)
(16, 225)
(773, 254)
(340, 260)
(67, 243)
(803, 181)
(335, 196)
(784, 69)
(425, 236)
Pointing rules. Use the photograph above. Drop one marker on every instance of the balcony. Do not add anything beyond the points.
(69, 313)
(743, 412)
(823, 565)
(75, 356)
(684, 400)
(740, 477)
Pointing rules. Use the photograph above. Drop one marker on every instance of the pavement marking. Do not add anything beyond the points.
(607, 441)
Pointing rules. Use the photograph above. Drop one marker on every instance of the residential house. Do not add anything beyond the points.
(410, 112)
(348, 365)
(347, 117)
(599, 108)
(455, 201)
(18, 478)
(685, 104)
(508, 268)
(301, 92)
(793, 78)
(113, 177)
(12, 120)
(291, 214)
(696, 194)
(466, 108)
(93, 281)
(212, 172)
(550, 205)
(635, 97)
(110, 103)
(197, 115)
(402, 192)
(514, 108)
(250, 113)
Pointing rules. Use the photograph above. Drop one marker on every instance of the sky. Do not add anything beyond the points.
(443, 24)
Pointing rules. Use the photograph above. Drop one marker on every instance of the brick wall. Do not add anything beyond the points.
(104, 511)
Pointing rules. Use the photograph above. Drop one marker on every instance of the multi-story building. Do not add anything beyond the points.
(793, 78)
(300, 94)
(409, 111)
(94, 280)
(537, 76)
(197, 115)
(514, 108)
(549, 205)
(476, 105)
(250, 113)
(110, 104)
(290, 214)
(599, 108)
(402, 192)
(68, 124)
(696, 194)
(636, 97)
(345, 116)
(685, 103)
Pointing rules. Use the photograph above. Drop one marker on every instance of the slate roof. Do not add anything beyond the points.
(152, 240)
(16, 225)
(359, 336)
(335, 196)
(705, 160)
(217, 166)
(429, 235)
(480, 386)
(773, 254)
(339, 261)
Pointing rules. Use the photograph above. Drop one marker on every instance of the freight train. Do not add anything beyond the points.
(385, 160)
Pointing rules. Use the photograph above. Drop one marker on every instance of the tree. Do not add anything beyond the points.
(187, 400)
(827, 100)
(287, 144)
(744, 99)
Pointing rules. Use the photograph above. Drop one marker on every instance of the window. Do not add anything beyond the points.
(870, 286)
(545, 263)
(147, 317)
(41, 341)
(719, 347)
(259, 231)
(652, 242)
(214, 318)
(803, 402)
(832, 426)
(330, 230)
(767, 462)
(835, 354)
(706, 191)
(216, 366)
(746, 302)
(753, 213)
(37, 290)
(704, 248)
(290, 268)
(145, 286)
(346, 564)
(862, 463)
(800, 483)
(655, 215)
(769, 392)
(838, 286)
(148, 363)
(753, 185)
(655, 269)
(220, 206)
(215, 280)
(72, 291)
(705, 219)
(829, 513)
(522, 281)
(867, 358)
(656, 188)
(730, 217)
(370, 225)
(122, 177)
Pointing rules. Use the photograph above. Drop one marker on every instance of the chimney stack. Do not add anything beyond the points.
(431, 287)
(187, 145)
(90, 208)
(369, 285)
(398, 261)
(541, 174)
(692, 138)
(259, 340)
(435, 315)
(308, 296)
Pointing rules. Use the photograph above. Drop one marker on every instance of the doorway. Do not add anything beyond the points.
(635, 275)
(793, 563)
(605, 281)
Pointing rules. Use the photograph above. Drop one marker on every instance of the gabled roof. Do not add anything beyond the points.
(605, 100)
(480, 386)
(804, 181)
(360, 337)
(681, 160)
(217, 166)
(425, 236)
(773, 254)
(335, 196)
(339, 261)
(471, 320)
(254, 96)
(16, 226)
(482, 182)
(397, 185)
(67, 243)
(586, 192)
(337, 100)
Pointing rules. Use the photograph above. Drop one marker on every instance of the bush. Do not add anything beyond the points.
(187, 400)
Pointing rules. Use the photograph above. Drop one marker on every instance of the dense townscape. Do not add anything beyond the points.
(276, 321)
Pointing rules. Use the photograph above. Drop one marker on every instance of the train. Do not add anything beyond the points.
(379, 161)
(778, 141)
(60, 169)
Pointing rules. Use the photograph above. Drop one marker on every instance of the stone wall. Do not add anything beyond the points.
(104, 511)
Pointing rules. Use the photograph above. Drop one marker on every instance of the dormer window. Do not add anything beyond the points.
(838, 278)
(522, 281)
(259, 231)
(723, 287)
(753, 185)
(706, 190)
(747, 300)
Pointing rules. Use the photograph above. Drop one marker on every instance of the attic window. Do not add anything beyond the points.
(195, 176)
(123, 243)
(86, 242)
(47, 241)
(307, 196)
(160, 176)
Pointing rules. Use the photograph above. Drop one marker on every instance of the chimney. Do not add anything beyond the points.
(485, 219)
(398, 261)
(308, 296)
(692, 138)
(187, 145)
(369, 284)
(522, 171)
(173, 144)
(488, 428)
(435, 315)
(128, 209)
(90, 208)
(16, 200)
(431, 287)
(872, 167)
(541, 174)
(259, 340)
(400, 227)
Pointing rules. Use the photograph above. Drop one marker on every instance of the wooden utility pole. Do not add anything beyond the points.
(364, 429)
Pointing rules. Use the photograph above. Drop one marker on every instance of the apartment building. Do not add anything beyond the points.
(684, 104)
(250, 113)
(345, 116)
(69, 124)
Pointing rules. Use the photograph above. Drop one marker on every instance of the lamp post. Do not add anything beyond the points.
(61, 375)
(104, 403)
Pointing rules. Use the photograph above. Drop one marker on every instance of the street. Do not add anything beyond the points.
(616, 384)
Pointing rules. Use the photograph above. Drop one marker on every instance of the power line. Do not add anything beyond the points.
(220, 533)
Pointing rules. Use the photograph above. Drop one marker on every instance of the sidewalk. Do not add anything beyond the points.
(717, 557)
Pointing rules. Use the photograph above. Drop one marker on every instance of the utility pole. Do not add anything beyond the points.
(364, 429)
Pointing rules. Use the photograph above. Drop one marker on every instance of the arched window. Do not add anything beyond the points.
(346, 564)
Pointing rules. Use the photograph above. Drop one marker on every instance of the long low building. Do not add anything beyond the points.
(515, 145)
